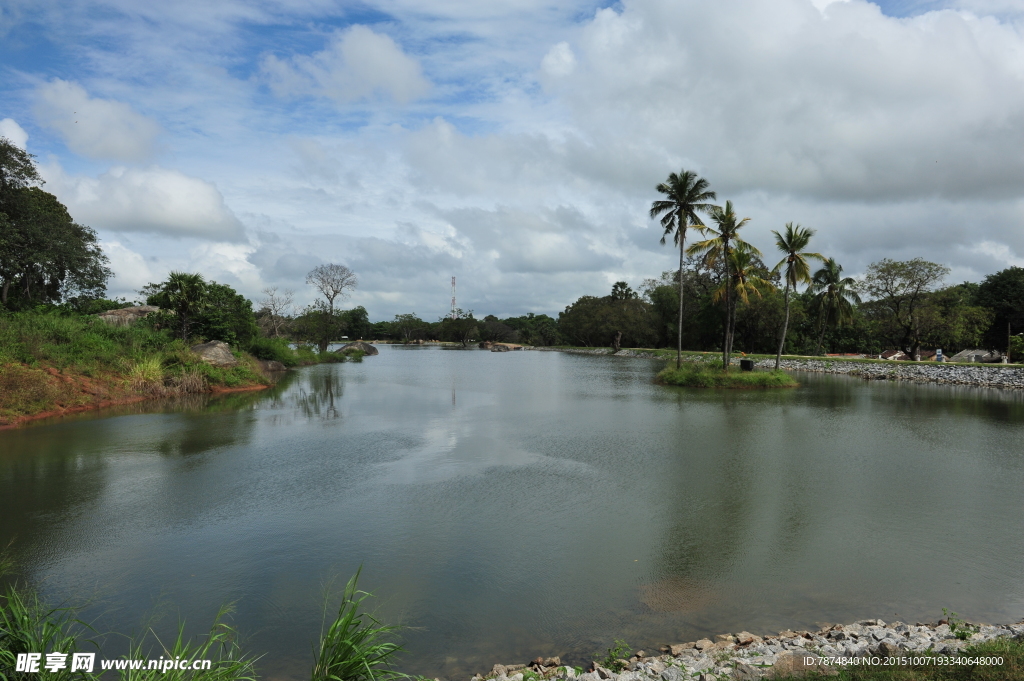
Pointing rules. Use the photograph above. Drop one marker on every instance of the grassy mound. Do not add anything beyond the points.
(710, 375)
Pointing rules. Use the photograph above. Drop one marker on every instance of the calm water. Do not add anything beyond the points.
(521, 504)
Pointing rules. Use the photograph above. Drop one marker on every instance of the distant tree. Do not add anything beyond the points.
(320, 322)
(686, 195)
(356, 322)
(496, 331)
(463, 328)
(1003, 294)
(408, 327)
(604, 321)
(900, 290)
(534, 329)
(275, 307)
(183, 293)
(794, 267)
(332, 281)
(834, 296)
(622, 291)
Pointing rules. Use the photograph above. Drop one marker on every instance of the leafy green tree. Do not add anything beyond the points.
(1003, 294)
(320, 325)
(461, 329)
(834, 297)
(497, 331)
(686, 195)
(408, 327)
(226, 316)
(595, 322)
(534, 329)
(184, 293)
(720, 250)
(901, 290)
(356, 322)
(795, 268)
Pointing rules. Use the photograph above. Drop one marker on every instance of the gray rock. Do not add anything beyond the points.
(589, 676)
(703, 644)
(127, 316)
(605, 673)
(271, 365)
(744, 672)
(217, 353)
(499, 670)
(671, 674)
(359, 345)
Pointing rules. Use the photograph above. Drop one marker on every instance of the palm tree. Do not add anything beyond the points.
(720, 248)
(185, 293)
(687, 195)
(834, 294)
(798, 270)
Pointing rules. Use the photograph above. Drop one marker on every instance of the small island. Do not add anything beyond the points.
(710, 375)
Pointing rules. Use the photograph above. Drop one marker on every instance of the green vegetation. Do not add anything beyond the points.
(710, 375)
(615, 657)
(354, 646)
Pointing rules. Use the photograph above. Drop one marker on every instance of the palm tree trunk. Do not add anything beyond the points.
(679, 336)
(785, 328)
(821, 336)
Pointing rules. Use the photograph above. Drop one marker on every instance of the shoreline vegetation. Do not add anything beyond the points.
(711, 375)
(54, 364)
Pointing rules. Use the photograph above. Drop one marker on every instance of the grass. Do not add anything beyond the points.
(354, 646)
(55, 361)
(710, 375)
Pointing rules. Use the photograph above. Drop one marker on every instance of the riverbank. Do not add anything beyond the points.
(865, 646)
(1007, 376)
(57, 364)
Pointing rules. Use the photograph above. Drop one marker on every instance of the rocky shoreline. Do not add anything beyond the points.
(1011, 378)
(745, 656)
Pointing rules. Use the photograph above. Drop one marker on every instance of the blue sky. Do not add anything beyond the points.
(515, 143)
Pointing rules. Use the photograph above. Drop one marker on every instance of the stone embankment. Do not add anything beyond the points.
(930, 372)
(922, 372)
(744, 656)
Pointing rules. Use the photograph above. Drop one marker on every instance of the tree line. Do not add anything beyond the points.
(724, 296)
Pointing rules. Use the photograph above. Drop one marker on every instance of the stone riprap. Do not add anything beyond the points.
(926, 372)
(746, 656)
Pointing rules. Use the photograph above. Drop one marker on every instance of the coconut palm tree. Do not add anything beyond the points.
(834, 299)
(719, 249)
(686, 195)
(797, 270)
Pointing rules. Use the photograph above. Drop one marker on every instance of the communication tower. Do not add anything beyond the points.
(454, 316)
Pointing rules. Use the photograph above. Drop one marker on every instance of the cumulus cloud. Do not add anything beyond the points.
(559, 61)
(154, 199)
(93, 127)
(358, 64)
(828, 100)
(131, 272)
(10, 129)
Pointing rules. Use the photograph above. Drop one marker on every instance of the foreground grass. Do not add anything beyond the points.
(353, 647)
(710, 375)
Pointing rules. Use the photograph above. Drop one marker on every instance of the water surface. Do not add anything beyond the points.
(509, 505)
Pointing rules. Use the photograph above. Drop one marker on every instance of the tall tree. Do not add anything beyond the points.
(686, 195)
(901, 289)
(333, 281)
(1003, 293)
(718, 251)
(834, 297)
(794, 267)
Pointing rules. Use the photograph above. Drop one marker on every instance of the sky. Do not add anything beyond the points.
(514, 144)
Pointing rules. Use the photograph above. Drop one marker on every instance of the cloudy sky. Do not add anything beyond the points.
(514, 144)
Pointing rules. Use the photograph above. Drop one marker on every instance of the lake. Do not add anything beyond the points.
(510, 505)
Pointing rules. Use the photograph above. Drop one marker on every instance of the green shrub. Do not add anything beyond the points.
(274, 349)
(710, 375)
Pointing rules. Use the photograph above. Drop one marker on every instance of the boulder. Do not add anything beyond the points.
(217, 353)
(359, 345)
(500, 348)
(127, 316)
(271, 365)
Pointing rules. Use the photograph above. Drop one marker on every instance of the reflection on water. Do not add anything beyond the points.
(509, 505)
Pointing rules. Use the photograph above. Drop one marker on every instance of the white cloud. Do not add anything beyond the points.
(92, 127)
(358, 64)
(154, 199)
(131, 272)
(10, 129)
(559, 61)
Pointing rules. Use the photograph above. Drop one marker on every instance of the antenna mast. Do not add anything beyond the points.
(453, 298)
